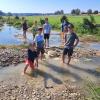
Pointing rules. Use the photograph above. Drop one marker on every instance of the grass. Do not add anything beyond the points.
(93, 90)
(56, 19)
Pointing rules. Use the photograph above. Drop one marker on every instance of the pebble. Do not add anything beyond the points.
(13, 56)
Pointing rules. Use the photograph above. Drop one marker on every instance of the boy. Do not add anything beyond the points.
(34, 29)
(46, 32)
(39, 40)
(25, 27)
(32, 58)
(71, 41)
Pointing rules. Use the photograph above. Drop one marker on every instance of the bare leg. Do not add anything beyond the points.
(37, 62)
(48, 42)
(45, 43)
(26, 68)
(24, 34)
(63, 58)
(69, 59)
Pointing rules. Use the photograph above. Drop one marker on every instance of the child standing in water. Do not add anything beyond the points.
(71, 41)
(34, 29)
(39, 40)
(46, 32)
(32, 58)
(25, 27)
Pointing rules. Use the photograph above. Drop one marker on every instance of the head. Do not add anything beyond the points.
(40, 30)
(70, 28)
(35, 22)
(46, 20)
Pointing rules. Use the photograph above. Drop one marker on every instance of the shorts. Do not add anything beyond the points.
(40, 50)
(46, 36)
(30, 63)
(68, 51)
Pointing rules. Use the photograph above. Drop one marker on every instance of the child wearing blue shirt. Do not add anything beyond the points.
(39, 40)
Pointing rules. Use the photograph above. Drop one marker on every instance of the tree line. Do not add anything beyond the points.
(58, 12)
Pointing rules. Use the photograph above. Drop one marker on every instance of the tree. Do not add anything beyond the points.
(62, 12)
(59, 12)
(96, 12)
(9, 14)
(89, 11)
(73, 11)
(77, 11)
(2, 13)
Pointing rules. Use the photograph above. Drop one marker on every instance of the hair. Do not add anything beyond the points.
(46, 18)
(40, 29)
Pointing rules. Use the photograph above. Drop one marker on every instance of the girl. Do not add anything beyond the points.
(32, 58)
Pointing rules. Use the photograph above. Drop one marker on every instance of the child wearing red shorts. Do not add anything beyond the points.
(32, 58)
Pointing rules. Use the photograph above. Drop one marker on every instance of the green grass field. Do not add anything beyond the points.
(56, 19)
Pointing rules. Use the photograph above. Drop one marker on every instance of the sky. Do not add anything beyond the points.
(47, 6)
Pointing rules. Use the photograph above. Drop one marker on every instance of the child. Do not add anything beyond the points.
(31, 57)
(25, 27)
(34, 29)
(46, 32)
(71, 41)
(39, 40)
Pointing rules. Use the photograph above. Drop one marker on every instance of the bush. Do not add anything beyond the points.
(89, 24)
(42, 21)
(16, 17)
(1, 17)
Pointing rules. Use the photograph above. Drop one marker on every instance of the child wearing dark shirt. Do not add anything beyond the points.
(71, 41)
(32, 58)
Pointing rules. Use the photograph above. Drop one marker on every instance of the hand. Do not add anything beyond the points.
(74, 46)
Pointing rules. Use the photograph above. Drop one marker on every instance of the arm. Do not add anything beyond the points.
(43, 29)
(35, 40)
(76, 43)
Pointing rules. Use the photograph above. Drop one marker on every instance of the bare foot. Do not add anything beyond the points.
(23, 73)
(68, 64)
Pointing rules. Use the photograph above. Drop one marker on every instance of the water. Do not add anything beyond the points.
(92, 45)
(7, 37)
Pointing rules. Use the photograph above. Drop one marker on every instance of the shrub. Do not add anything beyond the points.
(42, 21)
(16, 17)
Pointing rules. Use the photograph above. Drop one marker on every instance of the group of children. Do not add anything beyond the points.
(37, 47)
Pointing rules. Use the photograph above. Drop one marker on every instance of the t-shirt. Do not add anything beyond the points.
(47, 28)
(70, 37)
(32, 55)
(63, 25)
(39, 40)
(25, 27)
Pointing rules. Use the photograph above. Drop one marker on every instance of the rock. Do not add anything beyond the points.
(53, 54)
